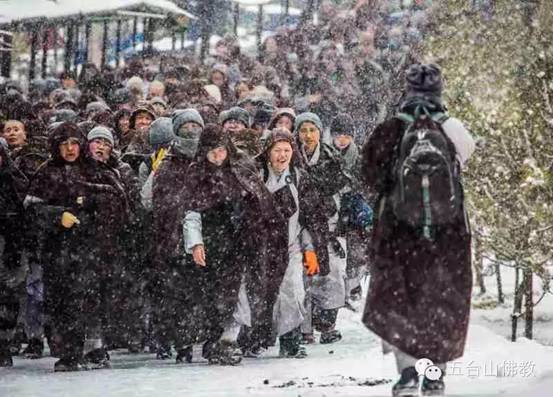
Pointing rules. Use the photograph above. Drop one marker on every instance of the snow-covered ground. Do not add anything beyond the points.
(355, 366)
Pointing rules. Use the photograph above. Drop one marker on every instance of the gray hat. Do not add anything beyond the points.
(189, 115)
(342, 124)
(235, 113)
(158, 101)
(308, 117)
(62, 115)
(101, 132)
(161, 131)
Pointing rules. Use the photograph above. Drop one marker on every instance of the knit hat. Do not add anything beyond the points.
(95, 107)
(424, 80)
(189, 115)
(161, 131)
(221, 68)
(308, 117)
(101, 132)
(214, 92)
(342, 124)
(249, 141)
(278, 135)
(158, 101)
(282, 112)
(235, 113)
(212, 137)
(64, 115)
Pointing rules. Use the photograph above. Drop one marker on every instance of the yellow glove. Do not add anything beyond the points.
(157, 158)
(311, 263)
(68, 220)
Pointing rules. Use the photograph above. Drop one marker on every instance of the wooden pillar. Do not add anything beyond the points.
(173, 40)
(76, 48)
(182, 37)
(6, 63)
(150, 35)
(105, 44)
(259, 29)
(87, 30)
(134, 32)
(236, 19)
(32, 62)
(118, 44)
(44, 63)
(68, 47)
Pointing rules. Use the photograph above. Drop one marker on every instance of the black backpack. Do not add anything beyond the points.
(427, 191)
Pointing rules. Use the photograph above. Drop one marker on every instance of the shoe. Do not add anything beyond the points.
(225, 353)
(69, 365)
(356, 294)
(408, 384)
(307, 339)
(433, 388)
(164, 352)
(5, 356)
(134, 347)
(184, 355)
(34, 349)
(299, 352)
(330, 337)
(97, 359)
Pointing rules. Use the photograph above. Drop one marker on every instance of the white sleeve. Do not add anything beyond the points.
(192, 230)
(461, 138)
(146, 193)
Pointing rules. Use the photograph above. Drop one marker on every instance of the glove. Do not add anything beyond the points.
(311, 263)
(68, 220)
(156, 159)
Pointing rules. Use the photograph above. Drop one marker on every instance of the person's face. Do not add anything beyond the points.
(100, 149)
(14, 133)
(217, 156)
(157, 90)
(280, 156)
(271, 46)
(310, 136)
(189, 130)
(218, 78)
(233, 126)
(142, 121)
(285, 122)
(342, 141)
(124, 124)
(70, 150)
(242, 90)
(68, 83)
(222, 51)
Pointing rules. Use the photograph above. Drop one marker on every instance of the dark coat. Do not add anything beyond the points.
(420, 290)
(28, 158)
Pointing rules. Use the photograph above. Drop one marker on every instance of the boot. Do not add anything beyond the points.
(69, 364)
(330, 337)
(433, 388)
(408, 384)
(307, 339)
(225, 353)
(184, 354)
(290, 346)
(34, 349)
(134, 347)
(97, 359)
(164, 352)
(5, 355)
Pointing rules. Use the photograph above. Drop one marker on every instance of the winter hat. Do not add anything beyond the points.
(249, 141)
(424, 80)
(278, 135)
(235, 113)
(263, 115)
(142, 107)
(214, 92)
(95, 107)
(158, 101)
(64, 115)
(189, 115)
(62, 132)
(221, 68)
(101, 132)
(342, 124)
(212, 137)
(67, 103)
(135, 85)
(282, 112)
(161, 131)
(308, 117)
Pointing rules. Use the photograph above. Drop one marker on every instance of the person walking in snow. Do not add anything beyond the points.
(420, 288)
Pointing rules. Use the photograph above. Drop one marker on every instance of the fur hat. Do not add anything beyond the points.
(235, 113)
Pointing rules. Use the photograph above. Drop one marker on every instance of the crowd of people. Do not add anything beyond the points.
(225, 204)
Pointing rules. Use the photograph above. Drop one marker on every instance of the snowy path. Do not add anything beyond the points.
(347, 368)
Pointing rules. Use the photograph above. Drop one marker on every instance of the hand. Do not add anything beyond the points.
(68, 220)
(311, 263)
(198, 253)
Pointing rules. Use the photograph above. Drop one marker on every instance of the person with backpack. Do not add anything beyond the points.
(421, 280)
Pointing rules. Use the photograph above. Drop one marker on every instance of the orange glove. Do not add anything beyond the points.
(311, 263)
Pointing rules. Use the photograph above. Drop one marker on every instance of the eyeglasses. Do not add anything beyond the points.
(307, 130)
